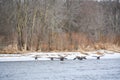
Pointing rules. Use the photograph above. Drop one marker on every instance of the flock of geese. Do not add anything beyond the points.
(61, 58)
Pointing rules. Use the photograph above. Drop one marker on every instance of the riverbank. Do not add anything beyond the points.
(30, 56)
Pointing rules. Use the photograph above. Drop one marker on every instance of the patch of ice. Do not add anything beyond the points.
(16, 58)
(111, 56)
(57, 55)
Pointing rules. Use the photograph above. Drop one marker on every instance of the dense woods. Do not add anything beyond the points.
(59, 25)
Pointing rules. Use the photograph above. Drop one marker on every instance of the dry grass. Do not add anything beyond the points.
(80, 43)
(10, 49)
(99, 53)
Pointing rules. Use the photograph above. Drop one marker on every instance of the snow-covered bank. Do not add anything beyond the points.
(56, 55)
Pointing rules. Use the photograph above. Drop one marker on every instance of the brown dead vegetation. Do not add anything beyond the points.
(99, 53)
(10, 49)
(79, 43)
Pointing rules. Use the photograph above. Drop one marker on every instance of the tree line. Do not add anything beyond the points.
(47, 25)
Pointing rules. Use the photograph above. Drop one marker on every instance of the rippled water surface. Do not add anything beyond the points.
(56, 70)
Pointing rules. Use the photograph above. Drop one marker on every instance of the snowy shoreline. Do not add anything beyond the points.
(56, 55)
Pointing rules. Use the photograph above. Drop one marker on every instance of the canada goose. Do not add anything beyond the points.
(36, 57)
(52, 58)
(62, 58)
(98, 57)
(79, 58)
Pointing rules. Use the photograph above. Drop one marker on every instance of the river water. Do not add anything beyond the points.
(106, 69)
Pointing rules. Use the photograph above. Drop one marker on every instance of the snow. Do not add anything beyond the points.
(111, 56)
(56, 55)
(16, 59)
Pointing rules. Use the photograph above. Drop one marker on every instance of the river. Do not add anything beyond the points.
(104, 69)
